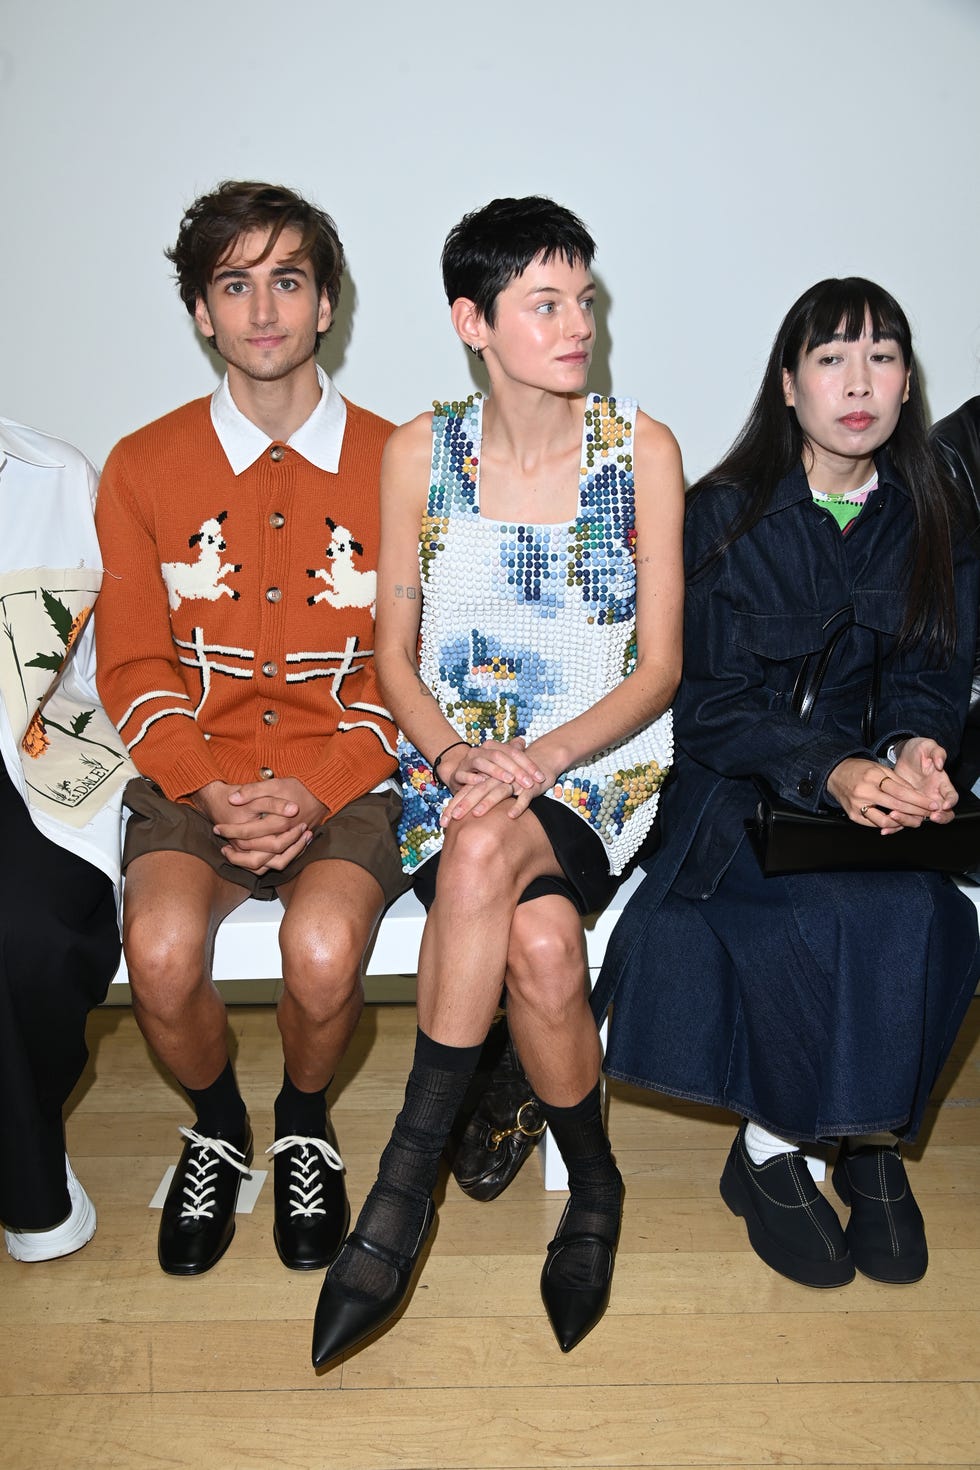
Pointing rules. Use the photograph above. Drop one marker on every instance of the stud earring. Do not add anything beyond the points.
(476, 351)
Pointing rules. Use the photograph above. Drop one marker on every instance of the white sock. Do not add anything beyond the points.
(761, 1146)
(874, 1140)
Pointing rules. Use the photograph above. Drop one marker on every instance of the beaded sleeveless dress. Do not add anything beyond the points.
(526, 626)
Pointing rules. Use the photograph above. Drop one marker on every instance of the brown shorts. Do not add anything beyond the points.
(363, 832)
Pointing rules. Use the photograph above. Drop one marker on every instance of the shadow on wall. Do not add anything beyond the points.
(599, 374)
(333, 348)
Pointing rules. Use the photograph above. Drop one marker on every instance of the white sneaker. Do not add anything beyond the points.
(74, 1232)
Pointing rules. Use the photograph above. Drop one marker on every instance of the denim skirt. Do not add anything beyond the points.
(817, 1004)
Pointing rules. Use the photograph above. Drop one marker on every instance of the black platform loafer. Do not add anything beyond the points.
(342, 1322)
(885, 1233)
(198, 1218)
(312, 1212)
(790, 1224)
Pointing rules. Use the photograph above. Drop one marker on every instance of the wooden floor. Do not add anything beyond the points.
(704, 1357)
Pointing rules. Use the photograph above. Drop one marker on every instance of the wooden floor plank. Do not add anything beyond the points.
(175, 1357)
(602, 1426)
(704, 1358)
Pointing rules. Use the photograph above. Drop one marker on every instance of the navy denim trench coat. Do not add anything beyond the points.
(750, 620)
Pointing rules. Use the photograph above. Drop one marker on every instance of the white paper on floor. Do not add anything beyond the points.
(247, 1195)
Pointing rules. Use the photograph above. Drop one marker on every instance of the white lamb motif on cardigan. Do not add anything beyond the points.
(345, 586)
(201, 579)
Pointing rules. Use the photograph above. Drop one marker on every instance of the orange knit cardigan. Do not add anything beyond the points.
(235, 631)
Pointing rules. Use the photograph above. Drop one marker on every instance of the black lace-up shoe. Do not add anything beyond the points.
(312, 1212)
(790, 1224)
(885, 1233)
(198, 1219)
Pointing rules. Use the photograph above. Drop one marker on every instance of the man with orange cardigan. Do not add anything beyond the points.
(235, 638)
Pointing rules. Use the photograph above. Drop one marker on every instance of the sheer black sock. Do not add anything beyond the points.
(595, 1188)
(394, 1211)
(219, 1107)
(303, 1113)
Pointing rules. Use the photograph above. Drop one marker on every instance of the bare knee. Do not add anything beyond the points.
(322, 966)
(546, 968)
(476, 868)
(166, 961)
(172, 906)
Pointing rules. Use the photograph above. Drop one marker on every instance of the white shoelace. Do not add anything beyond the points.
(202, 1171)
(306, 1183)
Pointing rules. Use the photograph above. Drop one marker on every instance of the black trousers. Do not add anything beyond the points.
(59, 948)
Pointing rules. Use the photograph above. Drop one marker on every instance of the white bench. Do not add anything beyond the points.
(247, 948)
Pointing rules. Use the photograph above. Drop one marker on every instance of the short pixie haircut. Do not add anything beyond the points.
(215, 221)
(491, 246)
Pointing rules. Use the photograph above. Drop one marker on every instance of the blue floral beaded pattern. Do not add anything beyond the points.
(602, 566)
(452, 484)
(525, 626)
(456, 431)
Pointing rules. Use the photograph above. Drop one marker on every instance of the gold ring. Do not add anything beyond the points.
(864, 811)
(884, 778)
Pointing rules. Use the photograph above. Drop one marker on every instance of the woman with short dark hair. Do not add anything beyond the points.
(529, 633)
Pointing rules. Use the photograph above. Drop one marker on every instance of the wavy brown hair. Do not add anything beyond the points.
(214, 222)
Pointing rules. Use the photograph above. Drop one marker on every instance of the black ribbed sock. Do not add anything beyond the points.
(219, 1107)
(595, 1188)
(303, 1113)
(394, 1211)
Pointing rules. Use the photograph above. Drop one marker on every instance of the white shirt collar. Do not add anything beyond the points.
(14, 441)
(318, 440)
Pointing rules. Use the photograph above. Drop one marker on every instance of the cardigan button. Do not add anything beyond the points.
(805, 787)
(273, 594)
(270, 670)
(267, 773)
(270, 717)
(277, 520)
(277, 453)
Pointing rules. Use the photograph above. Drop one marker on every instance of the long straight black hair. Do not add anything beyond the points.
(772, 442)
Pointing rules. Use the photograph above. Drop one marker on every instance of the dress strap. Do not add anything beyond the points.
(607, 438)
(457, 427)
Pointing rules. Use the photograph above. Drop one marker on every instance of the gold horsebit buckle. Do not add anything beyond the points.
(526, 1124)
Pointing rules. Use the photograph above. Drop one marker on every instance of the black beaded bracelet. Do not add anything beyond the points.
(435, 763)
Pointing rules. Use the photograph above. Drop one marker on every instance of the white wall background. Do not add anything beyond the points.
(725, 155)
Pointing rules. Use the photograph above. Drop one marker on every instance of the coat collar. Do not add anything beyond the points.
(19, 442)
(794, 488)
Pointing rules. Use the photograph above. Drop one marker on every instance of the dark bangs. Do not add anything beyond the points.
(306, 227)
(839, 308)
(492, 246)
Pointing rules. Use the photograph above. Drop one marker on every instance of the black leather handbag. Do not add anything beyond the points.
(788, 839)
(499, 1123)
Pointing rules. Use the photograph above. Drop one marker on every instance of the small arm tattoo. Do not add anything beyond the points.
(409, 593)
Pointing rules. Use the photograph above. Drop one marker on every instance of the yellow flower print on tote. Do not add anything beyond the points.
(66, 628)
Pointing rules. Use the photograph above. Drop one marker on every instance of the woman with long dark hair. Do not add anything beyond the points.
(817, 1005)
